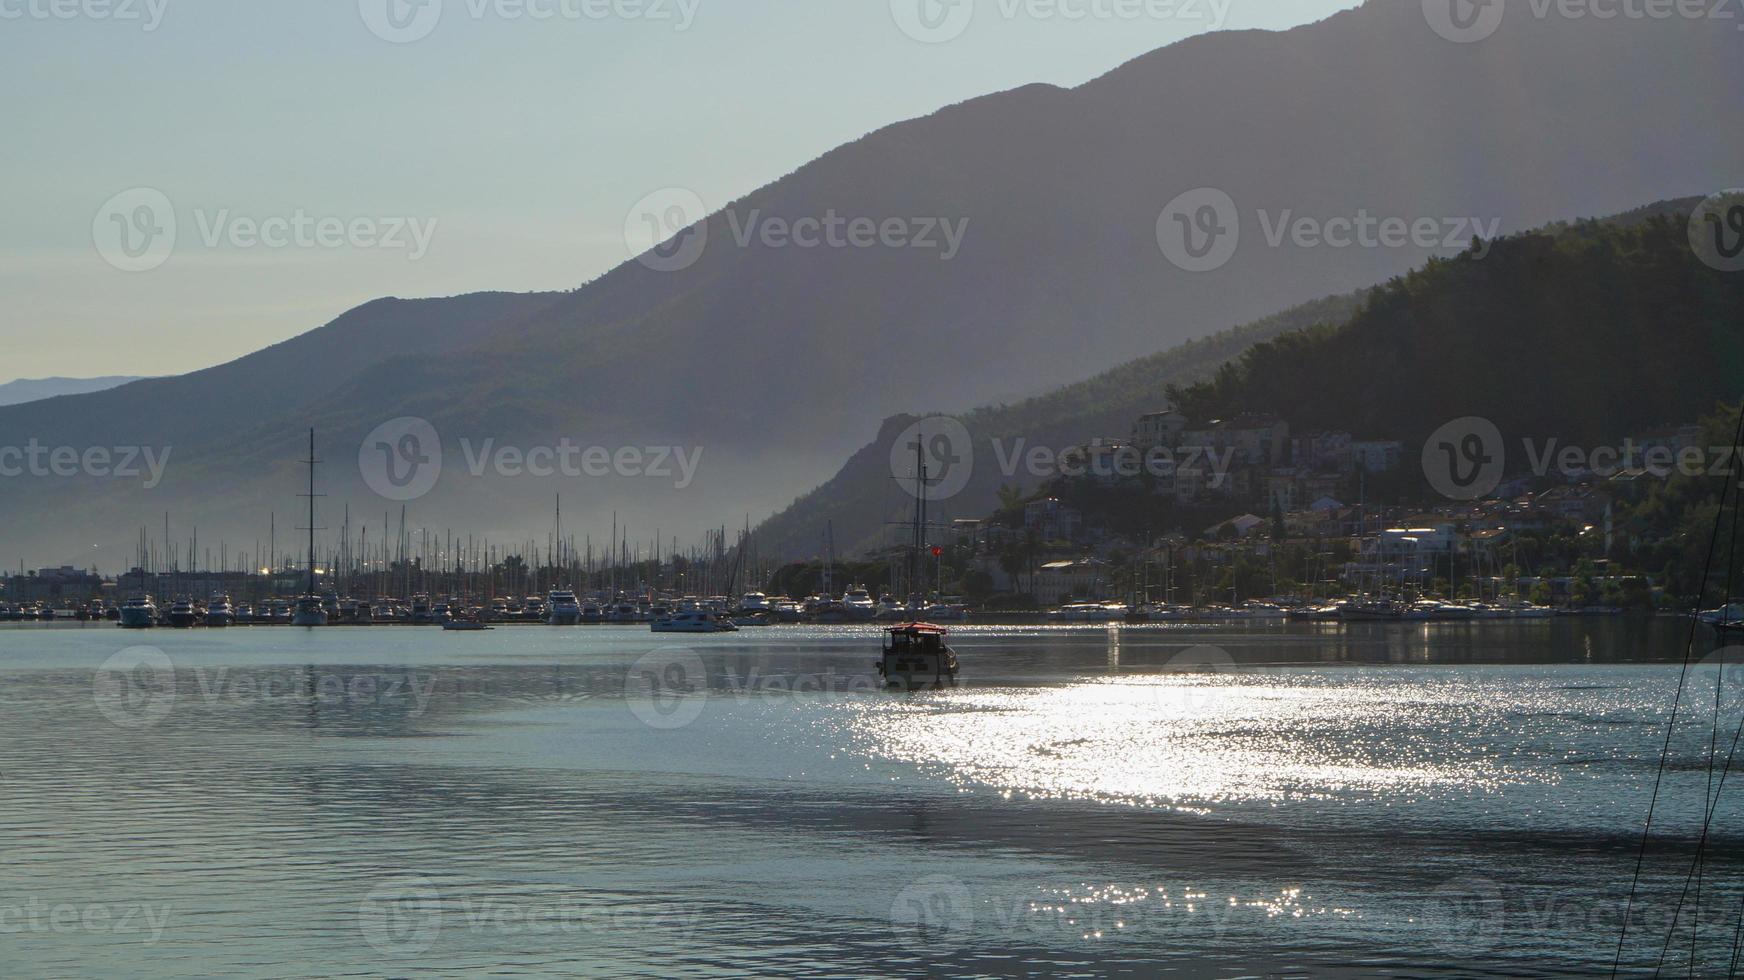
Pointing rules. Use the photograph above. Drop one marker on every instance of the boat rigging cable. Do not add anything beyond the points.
(1677, 702)
(1712, 797)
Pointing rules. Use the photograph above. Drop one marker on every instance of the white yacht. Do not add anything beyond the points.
(562, 608)
(893, 610)
(858, 603)
(139, 613)
(946, 612)
(184, 614)
(1728, 618)
(309, 612)
(220, 612)
(1167, 612)
(1090, 612)
(694, 621)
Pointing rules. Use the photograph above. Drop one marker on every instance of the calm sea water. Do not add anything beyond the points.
(1388, 801)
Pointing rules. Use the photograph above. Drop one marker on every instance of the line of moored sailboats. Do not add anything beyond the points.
(559, 607)
(1350, 609)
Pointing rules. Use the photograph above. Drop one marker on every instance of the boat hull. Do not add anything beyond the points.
(918, 671)
(1369, 616)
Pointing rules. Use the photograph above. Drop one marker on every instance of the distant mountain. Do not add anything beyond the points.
(778, 360)
(36, 389)
(1582, 332)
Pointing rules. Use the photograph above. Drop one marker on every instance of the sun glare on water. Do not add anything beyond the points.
(1187, 741)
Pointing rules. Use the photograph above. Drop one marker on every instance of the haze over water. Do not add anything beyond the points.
(1462, 799)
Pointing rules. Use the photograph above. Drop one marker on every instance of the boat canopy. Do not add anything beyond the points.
(917, 629)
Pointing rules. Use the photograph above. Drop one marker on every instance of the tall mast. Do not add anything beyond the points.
(311, 461)
(916, 561)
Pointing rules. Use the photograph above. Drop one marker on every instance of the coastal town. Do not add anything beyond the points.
(1239, 518)
(1262, 513)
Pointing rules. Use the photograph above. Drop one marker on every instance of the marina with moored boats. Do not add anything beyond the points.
(443, 580)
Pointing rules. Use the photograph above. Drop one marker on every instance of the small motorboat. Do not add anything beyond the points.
(916, 657)
(1726, 619)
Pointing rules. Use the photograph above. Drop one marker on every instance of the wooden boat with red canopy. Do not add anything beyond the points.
(916, 656)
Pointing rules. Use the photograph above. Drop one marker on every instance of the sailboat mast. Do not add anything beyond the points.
(916, 561)
(311, 495)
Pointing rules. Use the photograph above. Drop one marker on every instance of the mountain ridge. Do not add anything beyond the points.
(1254, 368)
(782, 361)
(24, 390)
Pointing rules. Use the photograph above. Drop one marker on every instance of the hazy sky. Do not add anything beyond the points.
(491, 149)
